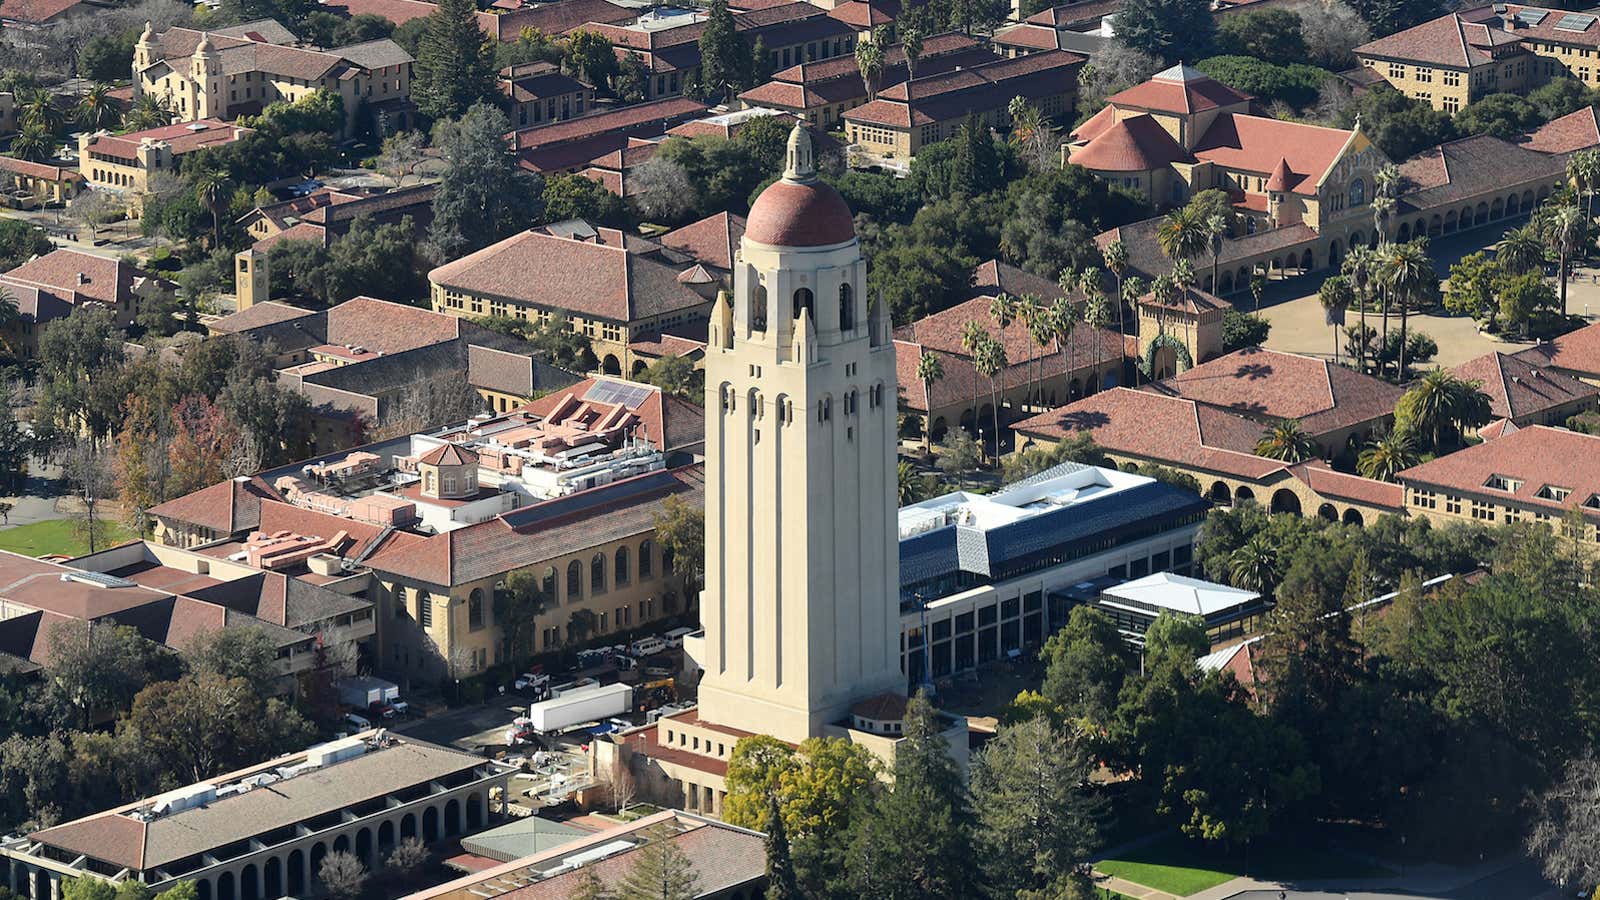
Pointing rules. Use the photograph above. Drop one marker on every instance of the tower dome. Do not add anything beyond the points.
(800, 210)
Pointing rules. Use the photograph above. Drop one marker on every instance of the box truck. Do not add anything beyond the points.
(371, 694)
(579, 703)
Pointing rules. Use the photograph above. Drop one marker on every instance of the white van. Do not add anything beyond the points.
(646, 646)
(674, 638)
(356, 723)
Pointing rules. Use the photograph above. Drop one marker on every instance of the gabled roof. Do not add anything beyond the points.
(1449, 40)
(1270, 384)
(1259, 143)
(1577, 130)
(1536, 458)
(713, 240)
(226, 508)
(1517, 388)
(1576, 351)
(952, 94)
(1462, 169)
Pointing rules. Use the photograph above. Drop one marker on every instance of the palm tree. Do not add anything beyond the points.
(1115, 255)
(1183, 234)
(1583, 168)
(990, 361)
(972, 337)
(1407, 273)
(211, 189)
(10, 315)
(869, 59)
(930, 369)
(1216, 230)
(1030, 312)
(1096, 315)
(1254, 566)
(910, 483)
(1358, 268)
(1336, 296)
(1521, 251)
(33, 143)
(1387, 456)
(911, 43)
(1003, 310)
(1440, 401)
(149, 111)
(1566, 230)
(1385, 188)
(95, 110)
(1132, 289)
(39, 109)
(1286, 441)
(1063, 322)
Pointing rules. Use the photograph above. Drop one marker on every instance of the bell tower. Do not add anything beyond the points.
(801, 602)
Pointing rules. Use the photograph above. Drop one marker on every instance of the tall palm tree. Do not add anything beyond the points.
(869, 59)
(1132, 289)
(1063, 322)
(33, 143)
(1254, 566)
(909, 483)
(39, 109)
(1216, 231)
(211, 189)
(1521, 251)
(930, 370)
(1358, 268)
(990, 361)
(1336, 296)
(972, 337)
(1115, 255)
(10, 315)
(1583, 168)
(1003, 310)
(1183, 234)
(1285, 440)
(1440, 402)
(1387, 456)
(95, 110)
(911, 43)
(1408, 275)
(1567, 230)
(1096, 315)
(1030, 312)
(149, 111)
(1385, 190)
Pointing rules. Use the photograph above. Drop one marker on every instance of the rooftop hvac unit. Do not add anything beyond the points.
(336, 751)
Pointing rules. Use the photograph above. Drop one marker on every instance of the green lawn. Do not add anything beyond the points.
(59, 536)
(1181, 868)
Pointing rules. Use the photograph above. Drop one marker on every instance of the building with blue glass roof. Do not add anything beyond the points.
(976, 570)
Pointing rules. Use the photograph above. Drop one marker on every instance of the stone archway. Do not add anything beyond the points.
(225, 886)
(1404, 234)
(385, 836)
(1327, 511)
(1497, 209)
(474, 811)
(1513, 205)
(318, 852)
(341, 844)
(1285, 501)
(452, 817)
(1219, 493)
(1335, 254)
(1227, 282)
(1243, 494)
(203, 888)
(430, 824)
(364, 847)
(1074, 390)
(611, 365)
(1307, 261)
(250, 882)
(297, 872)
(638, 368)
(273, 870)
(1354, 517)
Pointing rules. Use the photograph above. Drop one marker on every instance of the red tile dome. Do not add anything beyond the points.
(800, 214)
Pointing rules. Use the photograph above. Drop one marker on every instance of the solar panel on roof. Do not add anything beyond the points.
(1575, 22)
(1532, 16)
(628, 395)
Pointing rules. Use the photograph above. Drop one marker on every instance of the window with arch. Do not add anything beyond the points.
(620, 570)
(802, 300)
(574, 581)
(647, 563)
(547, 584)
(1358, 192)
(597, 574)
(847, 308)
(475, 609)
(758, 307)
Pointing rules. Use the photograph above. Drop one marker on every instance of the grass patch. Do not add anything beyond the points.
(1179, 867)
(59, 536)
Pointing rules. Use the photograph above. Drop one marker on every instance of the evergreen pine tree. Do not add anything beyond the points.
(455, 65)
(482, 197)
(660, 872)
(915, 841)
(724, 55)
(781, 883)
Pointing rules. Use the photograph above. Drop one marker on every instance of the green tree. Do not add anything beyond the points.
(724, 55)
(1399, 125)
(80, 357)
(681, 532)
(781, 880)
(755, 770)
(1172, 30)
(1441, 407)
(1285, 440)
(1522, 298)
(1566, 229)
(1387, 456)
(1505, 116)
(20, 242)
(87, 888)
(482, 196)
(454, 63)
(677, 376)
(200, 726)
(1242, 329)
(1475, 283)
(517, 608)
(1273, 35)
(238, 651)
(661, 871)
(1176, 637)
(1408, 274)
(589, 56)
(915, 841)
(1254, 566)
(102, 667)
(959, 455)
(1037, 820)
(577, 197)
(33, 143)
(1085, 664)
(930, 371)
(96, 111)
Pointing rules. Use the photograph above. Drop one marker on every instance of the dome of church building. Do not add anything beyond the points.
(800, 210)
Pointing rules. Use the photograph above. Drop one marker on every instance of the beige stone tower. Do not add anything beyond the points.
(801, 594)
(206, 98)
(144, 55)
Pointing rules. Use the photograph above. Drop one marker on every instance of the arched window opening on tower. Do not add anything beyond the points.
(758, 310)
(847, 309)
(802, 300)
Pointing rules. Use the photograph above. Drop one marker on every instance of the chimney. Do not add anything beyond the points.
(83, 278)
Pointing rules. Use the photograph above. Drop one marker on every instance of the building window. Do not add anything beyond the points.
(1452, 79)
(1483, 511)
(574, 581)
(475, 609)
(597, 574)
(646, 562)
(847, 309)
(1358, 192)
(802, 301)
(1396, 71)
(620, 576)
(758, 308)
(1452, 505)
(424, 609)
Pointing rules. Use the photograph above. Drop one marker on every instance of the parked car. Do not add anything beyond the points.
(646, 646)
(674, 638)
(356, 723)
(534, 680)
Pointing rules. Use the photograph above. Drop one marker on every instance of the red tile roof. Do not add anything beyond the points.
(800, 214)
(862, 13)
(1518, 388)
(1574, 131)
(1345, 486)
(953, 94)
(552, 19)
(1134, 144)
(226, 508)
(1270, 384)
(183, 137)
(608, 275)
(383, 326)
(39, 170)
(35, 12)
(1576, 351)
(1179, 89)
(397, 11)
(712, 240)
(299, 231)
(76, 276)
(1258, 144)
(1449, 40)
(1537, 456)
(1496, 429)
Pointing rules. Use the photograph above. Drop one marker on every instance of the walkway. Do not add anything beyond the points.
(1506, 878)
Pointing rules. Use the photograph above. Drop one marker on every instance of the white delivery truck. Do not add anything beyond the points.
(371, 694)
(582, 702)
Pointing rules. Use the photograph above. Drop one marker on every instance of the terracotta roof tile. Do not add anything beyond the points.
(387, 327)
(1134, 144)
(1463, 169)
(35, 12)
(950, 95)
(1518, 388)
(712, 240)
(1270, 384)
(1576, 351)
(1574, 131)
(1179, 89)
(1536, 456)
(1344, 486)
(552, 19)
(1258, 143)
(397, 11)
